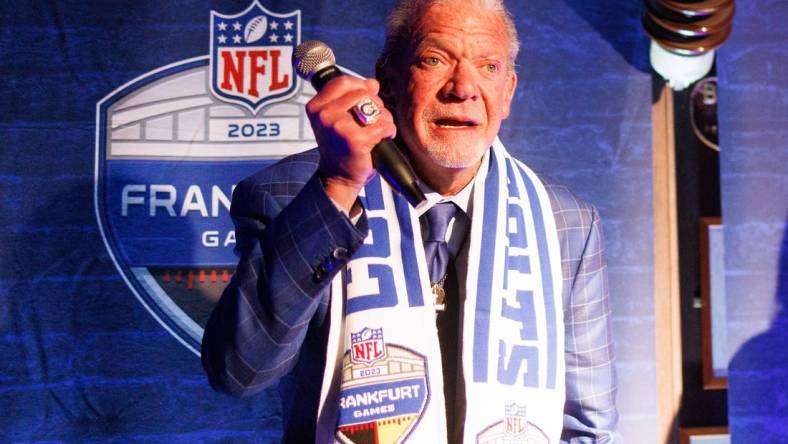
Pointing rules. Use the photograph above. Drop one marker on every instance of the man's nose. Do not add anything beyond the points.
(462, 83)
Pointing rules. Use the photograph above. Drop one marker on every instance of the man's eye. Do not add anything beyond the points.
(431, 61)
(491, 67)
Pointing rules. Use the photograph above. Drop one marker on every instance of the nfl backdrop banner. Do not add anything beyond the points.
(172, 143)
(170, 146)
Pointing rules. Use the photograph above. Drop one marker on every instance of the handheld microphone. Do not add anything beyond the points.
(314, 61)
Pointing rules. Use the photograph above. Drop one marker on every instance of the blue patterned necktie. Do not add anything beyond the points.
(443, 277)
(436, 250)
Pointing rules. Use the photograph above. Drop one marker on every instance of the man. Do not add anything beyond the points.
(483, 316)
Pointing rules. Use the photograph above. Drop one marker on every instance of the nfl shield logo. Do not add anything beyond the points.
(367, 346)
(251, 56)
(515, 421)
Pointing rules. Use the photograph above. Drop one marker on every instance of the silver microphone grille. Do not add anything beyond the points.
(312, 56)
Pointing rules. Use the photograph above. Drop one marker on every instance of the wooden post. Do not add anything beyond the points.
(666, 270)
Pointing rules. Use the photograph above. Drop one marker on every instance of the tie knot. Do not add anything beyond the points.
(438, 218)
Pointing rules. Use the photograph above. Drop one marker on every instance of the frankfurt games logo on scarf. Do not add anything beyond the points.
(172, 143)
(384, 390)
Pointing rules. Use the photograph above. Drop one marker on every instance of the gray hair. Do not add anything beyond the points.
(404, 18)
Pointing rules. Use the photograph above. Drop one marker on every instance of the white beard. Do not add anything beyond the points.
(448, 156)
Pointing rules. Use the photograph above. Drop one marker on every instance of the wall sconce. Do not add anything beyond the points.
(684, 35)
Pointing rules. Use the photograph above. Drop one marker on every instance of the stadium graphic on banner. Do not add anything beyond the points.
(170, 146)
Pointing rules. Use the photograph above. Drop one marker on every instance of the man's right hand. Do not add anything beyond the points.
(344, 143)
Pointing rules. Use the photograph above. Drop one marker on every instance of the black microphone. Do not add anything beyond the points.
(314, 61)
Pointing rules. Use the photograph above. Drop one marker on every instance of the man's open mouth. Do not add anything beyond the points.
(454, 123)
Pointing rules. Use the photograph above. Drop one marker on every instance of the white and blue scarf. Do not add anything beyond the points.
(383, 381)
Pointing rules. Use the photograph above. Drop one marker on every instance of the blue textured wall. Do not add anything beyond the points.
(82, 359)
(753, 114)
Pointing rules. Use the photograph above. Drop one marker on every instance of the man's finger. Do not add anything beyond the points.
(341, 107)
(337, 88)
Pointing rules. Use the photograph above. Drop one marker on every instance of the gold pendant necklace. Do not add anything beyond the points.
(440, 294)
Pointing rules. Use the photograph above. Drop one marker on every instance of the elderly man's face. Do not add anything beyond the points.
(450, 104)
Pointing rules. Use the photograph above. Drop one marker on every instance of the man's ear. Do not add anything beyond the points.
(383, 76)
(387, 94)
(509, 88)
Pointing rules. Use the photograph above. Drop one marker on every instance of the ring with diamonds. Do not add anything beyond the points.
(366, 111)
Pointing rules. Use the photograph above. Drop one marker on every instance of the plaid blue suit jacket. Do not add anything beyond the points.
(271, 323)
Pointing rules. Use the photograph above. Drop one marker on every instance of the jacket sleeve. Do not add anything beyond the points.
(289, 252)
(590, 414)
